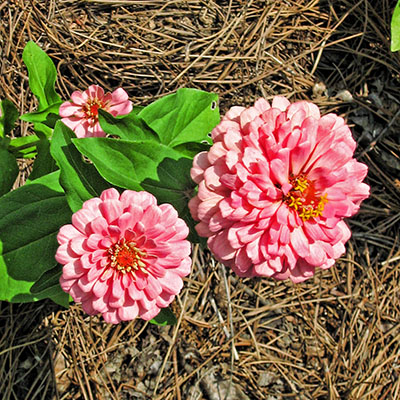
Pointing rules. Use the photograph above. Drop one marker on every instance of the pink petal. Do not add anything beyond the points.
(110, 194)
(95, 92)
(148, 314)
(78, 245)
(66, 233)
(134, 292)
(164, 300)
(111, 316)
(121, 108)
(153, 288)
(117, 288)
(100, 288)
(299, 242)
(221, 247)
(280, 171)
(99, 225)
(128, 313)
(73, 270)
(111, 210)
(69, 109)
(280, 102)
(171, 282)
(74, 123)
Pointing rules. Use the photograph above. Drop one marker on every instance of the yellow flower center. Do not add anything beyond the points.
(304, 199)
(125, 257)
(91, 109)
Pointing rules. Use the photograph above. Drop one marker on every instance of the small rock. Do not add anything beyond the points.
(344, 95)
(319, 89)
(266, 378)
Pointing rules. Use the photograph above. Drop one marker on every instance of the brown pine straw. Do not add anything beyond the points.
(336, 336)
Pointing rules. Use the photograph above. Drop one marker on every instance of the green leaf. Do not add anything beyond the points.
(145, 165)
(30, 218)
(9, 114)
(173, 183)
(48, 116)
(164, 317)
(183, 117)
(80, 180)
(395, 28)
(125, 163)
(48, 286)
(191, 149)
(49, 279)
(128, 127)
(60, 297)
(42, 75)
(43, 130)
(8, 170)
(175, 186)
(24, 147)
(136, 109)
(51, 181)
(44, 162)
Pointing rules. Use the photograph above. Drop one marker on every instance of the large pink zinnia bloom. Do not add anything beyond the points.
(81, 113)
(124, 256)
(275, 187)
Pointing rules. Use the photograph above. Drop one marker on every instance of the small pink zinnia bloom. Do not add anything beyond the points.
(81, 113)
(124, 256)
(275, 187)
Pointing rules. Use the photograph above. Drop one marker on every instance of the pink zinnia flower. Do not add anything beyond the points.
(81, 114)
(124, 256)
(275, 187)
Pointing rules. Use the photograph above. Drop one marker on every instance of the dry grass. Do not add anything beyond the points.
(334, 337)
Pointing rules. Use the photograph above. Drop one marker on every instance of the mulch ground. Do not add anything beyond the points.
(336, 336)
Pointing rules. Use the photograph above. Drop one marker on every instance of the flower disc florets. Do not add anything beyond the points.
(81, 113)
(124, 256)
(275, 187)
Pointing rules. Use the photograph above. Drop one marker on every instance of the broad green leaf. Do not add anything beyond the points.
(145, 165)
(8, 170)
(30, 218)
(48, 286)
(164, 317)
(54, 293)
(42, 75)
(60, 297)
(136, 109)
(9, 114)
(80, 180)
(57, 295)
(24, 147)
(183, 117)
(49, 279)
(191, 149)
(175, 186)
(43, 130)
(395, 29)
(128, 127)
(48, 116)
(51, 181)
(173, 183)
(125, 163)
(44, 163)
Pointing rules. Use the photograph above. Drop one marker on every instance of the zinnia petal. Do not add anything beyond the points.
(81, 113)
(274, 188)
(123, 255)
